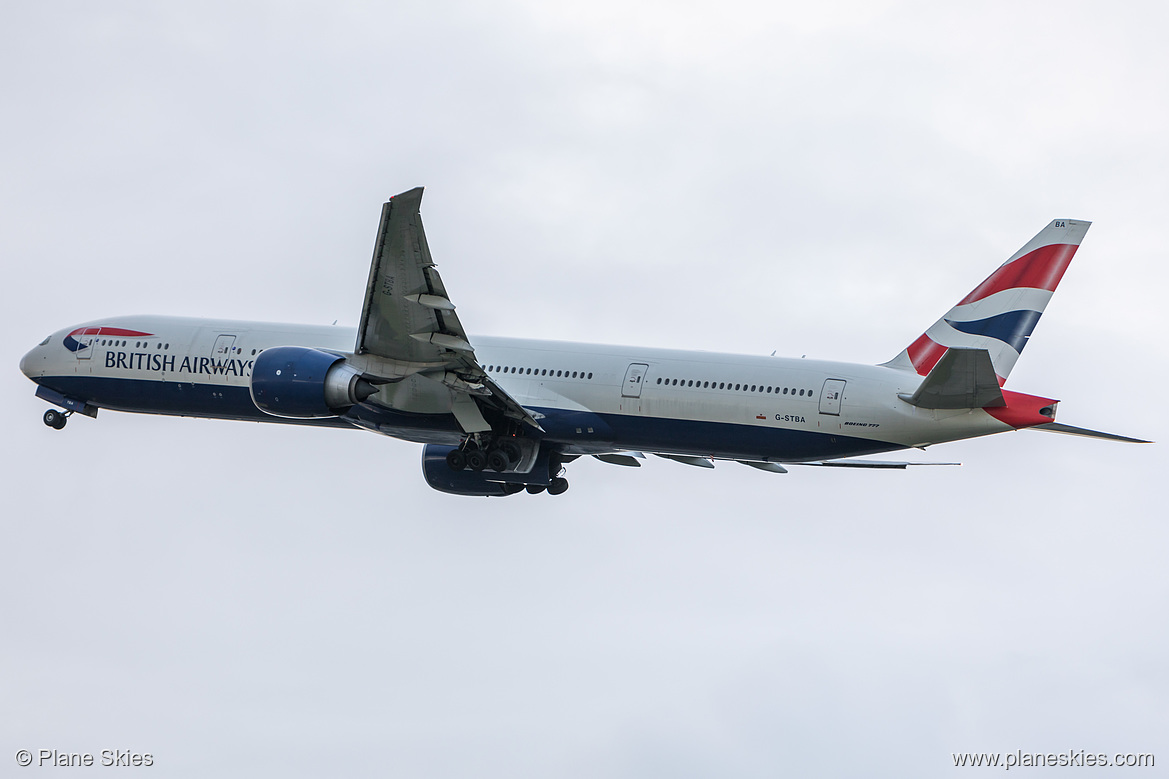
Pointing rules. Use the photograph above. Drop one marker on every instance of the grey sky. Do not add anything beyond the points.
(236, 598)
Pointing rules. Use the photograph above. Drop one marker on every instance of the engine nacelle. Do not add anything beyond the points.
(302, 383)
(440, 476)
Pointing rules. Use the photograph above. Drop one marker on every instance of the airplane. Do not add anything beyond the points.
(498, 416)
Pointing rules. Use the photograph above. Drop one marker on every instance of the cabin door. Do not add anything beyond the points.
(831, 396)
(633, 380)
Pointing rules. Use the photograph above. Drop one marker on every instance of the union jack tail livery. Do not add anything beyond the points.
(1000, 313)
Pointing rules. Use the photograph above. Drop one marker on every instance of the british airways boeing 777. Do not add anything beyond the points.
(500, 415)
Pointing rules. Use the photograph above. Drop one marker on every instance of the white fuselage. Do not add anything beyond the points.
(594, 397)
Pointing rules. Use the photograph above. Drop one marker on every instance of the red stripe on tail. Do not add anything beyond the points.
(924, 353)
(1040, 269)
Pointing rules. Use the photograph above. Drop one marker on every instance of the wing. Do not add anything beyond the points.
(409, 320)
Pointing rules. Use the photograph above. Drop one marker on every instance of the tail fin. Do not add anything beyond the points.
(1000, 313)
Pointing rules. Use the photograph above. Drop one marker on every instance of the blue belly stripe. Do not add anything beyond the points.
(598, 431)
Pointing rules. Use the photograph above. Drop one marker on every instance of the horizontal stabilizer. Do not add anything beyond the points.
(867, 464)
(1056, 427)
(962, 378)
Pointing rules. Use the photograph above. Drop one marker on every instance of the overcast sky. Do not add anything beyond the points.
(824, 179)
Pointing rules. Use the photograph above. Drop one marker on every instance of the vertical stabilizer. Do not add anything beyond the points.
(1000, 313)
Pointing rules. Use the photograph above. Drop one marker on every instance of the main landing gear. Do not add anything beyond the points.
(56, 419)
(558, 486)
(502, 456)
(497, 457)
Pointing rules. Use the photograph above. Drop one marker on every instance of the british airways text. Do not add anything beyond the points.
(148, 361)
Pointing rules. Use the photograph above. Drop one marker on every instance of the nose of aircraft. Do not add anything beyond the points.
(30, 361)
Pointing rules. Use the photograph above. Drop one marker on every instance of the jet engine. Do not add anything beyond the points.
(302, 383)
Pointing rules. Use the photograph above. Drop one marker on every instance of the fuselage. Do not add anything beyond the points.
(587, 398)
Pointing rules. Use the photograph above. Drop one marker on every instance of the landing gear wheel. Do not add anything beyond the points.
(55, 419)
(512, 489)
(511, 450)
(497, 460)
(558, 486)
(456, 460)
(476, 460)
(535, 489)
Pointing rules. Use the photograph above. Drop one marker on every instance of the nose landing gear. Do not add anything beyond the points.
(56, 419)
